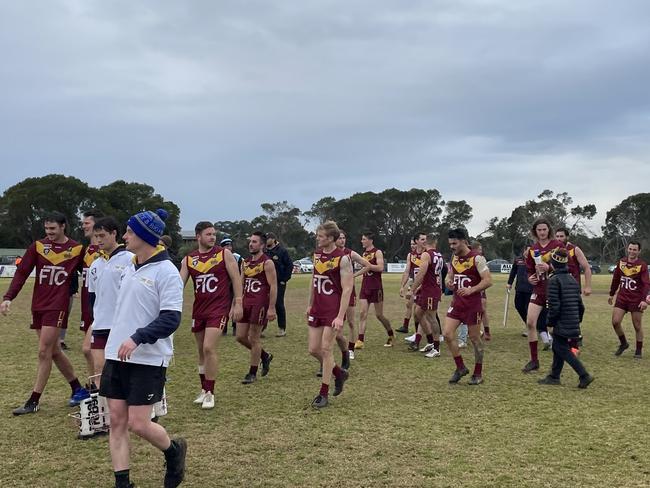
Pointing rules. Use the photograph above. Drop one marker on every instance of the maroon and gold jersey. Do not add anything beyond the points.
(256, 287)
(327, 284)
(631, 280)
(545, 252)
(572, 264)
(372, 279)
(55, 264)
(431, 284)
(90, 254)
(467, 273)
(416, 260)
(212, 285)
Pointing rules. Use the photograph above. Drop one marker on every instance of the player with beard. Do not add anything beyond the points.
(56, 259)
(329, 299)
(538, 266)
(468, 276)
(260, 293)
(215, 273)
(372, 291)
(408, 276)
(631, 285)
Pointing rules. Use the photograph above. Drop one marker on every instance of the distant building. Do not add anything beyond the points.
(188, 236)
(9, 256)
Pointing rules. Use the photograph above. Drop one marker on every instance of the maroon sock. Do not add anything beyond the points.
(362, 337)
(459, 362)
(622, 339)
(486, 328)
(478, 369)
(345, 355)
(74, 384)
(350, 346)
(418, 338)
(533, 350)
(35, 398)
(337, 371)
(429, 338)
(202, 376)
(324, 389)
(406, 323)
(209, 385)
(639, 347)
(252, 370)
(436, 344)
(391, 333)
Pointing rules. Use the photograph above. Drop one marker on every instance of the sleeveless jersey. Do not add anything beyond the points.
(256, 287)
(467, 273)
(573, 265)
(545, 252)
(631, 280)
(372, 279)
(431, 284)
(212, 286)
(416, 260)
(327, 284)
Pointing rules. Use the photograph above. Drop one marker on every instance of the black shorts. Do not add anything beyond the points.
(138, 384)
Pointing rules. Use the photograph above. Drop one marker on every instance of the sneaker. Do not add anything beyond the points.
(524, 333)
(319, 374)
(351, 354)
(458, 374)
(462, 344)
(433, 353)
(201, 397)
(585, 381)
(621, 348)
(638, 355)
(248, 379)
(358, 345)
(413, 347)
(281, 333)
(208, 401)
(176, 466)
(475, 380)
(549, 380)
(427, 348)
(410, 338)
(547, 346)
(78, 396)
(345, 364)
(339, 382)
(320, 402)
(390, 341)
(530, 366)
(403, 330)
(266, 365)
(29, 407)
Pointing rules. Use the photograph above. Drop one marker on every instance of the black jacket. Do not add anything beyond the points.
(565, 307)
(520, 272)
(282, 261)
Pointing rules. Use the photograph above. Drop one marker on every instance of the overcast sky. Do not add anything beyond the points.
(222, 105)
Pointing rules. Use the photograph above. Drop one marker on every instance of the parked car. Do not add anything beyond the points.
(611, 269)
(595, 267)
(304, 265)
(495, 265)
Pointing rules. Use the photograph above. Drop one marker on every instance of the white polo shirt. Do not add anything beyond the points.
(143, 294)
(104, 281)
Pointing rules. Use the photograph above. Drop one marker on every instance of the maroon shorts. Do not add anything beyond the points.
(217, 322)
(627, 305)
(255, 315)
(469, 316)
(538, 299)
(427, 302)
(372, 296)
(99, 339)
(50, 318)
(320, 321)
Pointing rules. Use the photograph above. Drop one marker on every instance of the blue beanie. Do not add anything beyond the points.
(149, 226)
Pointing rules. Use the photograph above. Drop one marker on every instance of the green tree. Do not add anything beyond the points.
(629, 219)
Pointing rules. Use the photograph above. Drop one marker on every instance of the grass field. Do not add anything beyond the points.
(398, 423)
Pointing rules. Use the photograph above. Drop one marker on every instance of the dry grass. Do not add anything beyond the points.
(398, 422)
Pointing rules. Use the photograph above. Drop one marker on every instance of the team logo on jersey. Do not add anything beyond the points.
(195, 261)
(67, 254)
(628, 270)
(324, 266)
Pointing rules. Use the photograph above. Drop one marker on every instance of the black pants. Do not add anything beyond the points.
(521, 304)
(279, 306)
(561, 354)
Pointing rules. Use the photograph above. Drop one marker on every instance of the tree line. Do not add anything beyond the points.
(392, 215)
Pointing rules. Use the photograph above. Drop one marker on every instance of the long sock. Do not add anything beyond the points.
(418, 338)
(436, 345)
(391, 333)
(639, 347)
(202, 376)
(362, 337)
(264, 355)
(172, 450)
(533, 350)
(253, 370)
(459, 362)
(324, 389)
(337, 371)
(622, 339)
(406, 323)
(75, 385)
(209, 385)
(429, 338)
(486, 328)
(35, 398)
(345, 355)
(478, 369)
(122, 479)
(350, 346)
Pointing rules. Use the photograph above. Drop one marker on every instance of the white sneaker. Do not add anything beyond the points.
(427, 348)
(524, 333)
(462, 344)
(200, 398)
(208, 401)
(351, 353)
(442, 338)
(410, 338)
(434, 353)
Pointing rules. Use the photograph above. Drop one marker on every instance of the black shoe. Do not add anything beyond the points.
(250, 378)
(64, 346)
(320, 402)
(345, 364)
(638, 355)
(403, 329)
(176, 464)
(585, 381)
(621, 348)
(266, 364)
(458, 374)
(475, 380)
(530, 366)
(549, 380)
(320, 373)
(29, 407)
(339, 382)
(414, 347)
